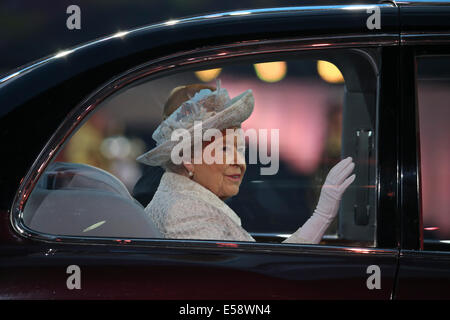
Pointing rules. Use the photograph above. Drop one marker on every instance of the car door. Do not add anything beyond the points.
(424, 260)
(358, 261)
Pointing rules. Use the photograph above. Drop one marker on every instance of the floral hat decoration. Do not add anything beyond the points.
(208, 109)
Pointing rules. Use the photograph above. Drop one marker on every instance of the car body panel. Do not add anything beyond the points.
(256, 272)
(423, 275)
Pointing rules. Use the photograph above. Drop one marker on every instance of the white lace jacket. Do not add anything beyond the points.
(183, 209)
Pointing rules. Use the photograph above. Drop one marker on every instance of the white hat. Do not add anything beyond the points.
(214, 109)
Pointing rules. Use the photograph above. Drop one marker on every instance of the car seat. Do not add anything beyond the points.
(81, 200)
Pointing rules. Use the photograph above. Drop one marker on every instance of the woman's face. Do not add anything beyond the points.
(225, 177)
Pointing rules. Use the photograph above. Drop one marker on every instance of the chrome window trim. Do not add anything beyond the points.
(411, 3)
(156, 67)
(287, 235)
(424, 38)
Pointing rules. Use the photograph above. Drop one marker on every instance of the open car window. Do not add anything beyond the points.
(322, 104)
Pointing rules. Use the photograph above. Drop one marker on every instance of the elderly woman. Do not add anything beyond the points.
(189, 202)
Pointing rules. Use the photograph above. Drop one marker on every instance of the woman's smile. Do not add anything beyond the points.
(234, 177)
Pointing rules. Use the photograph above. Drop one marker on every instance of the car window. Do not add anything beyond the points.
(433, 87)
(311, 110)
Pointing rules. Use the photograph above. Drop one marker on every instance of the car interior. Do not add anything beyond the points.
(81, 200)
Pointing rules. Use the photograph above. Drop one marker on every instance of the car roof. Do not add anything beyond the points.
(303, 4)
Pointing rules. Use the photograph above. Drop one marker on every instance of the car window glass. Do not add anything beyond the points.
(433, 87)
(310, 112)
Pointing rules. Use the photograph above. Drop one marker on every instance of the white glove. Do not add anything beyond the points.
(335, 184)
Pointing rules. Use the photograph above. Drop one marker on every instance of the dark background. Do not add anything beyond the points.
(30, 30)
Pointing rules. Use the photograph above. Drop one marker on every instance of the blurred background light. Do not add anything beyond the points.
(115, 147)
(271, 71)
(329, 72)
(208, 75)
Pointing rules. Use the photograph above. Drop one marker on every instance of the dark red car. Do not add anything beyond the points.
(80, 116)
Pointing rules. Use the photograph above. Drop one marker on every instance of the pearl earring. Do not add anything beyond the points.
(191, 173)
